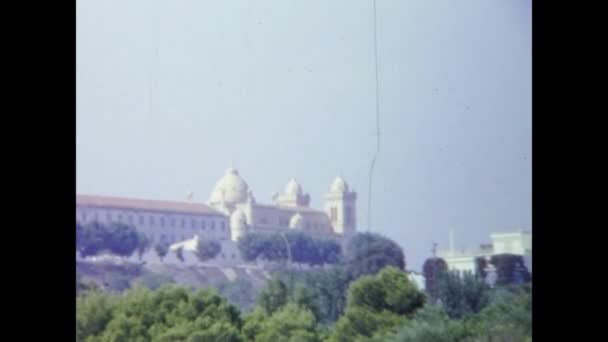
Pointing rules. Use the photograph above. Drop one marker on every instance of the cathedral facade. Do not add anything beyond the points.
(230, 212)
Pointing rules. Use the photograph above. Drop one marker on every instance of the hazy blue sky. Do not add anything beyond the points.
(170, 92)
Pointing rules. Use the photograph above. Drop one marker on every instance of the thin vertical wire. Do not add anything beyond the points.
(371, 169)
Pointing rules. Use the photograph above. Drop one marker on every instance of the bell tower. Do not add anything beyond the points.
(341, 207)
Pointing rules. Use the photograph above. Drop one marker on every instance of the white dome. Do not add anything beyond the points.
(231, 189)
(296, 221)
(339, 185)
(293, 188)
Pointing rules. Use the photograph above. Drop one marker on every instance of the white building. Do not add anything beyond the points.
(518, 243)
(230, 212)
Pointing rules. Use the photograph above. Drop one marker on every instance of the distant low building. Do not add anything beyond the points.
(417, 279)
(518, 243)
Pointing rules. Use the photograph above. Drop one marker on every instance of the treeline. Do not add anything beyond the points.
(364, 296)
(123, 240)
(278, 247)
(381, 307)
(116, 238)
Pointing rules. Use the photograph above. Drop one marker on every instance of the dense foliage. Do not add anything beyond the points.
(168, 314)
(510, 269)
(116, 238)
(377, 305)
(304, 248)
(461, 294)
(161, 250)
(368, 253)
(207, 250)
(432, 270)
(363, 297)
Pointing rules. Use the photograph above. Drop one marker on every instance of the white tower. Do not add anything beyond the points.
(341, 207)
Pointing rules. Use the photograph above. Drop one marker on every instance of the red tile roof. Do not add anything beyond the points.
(146, 204)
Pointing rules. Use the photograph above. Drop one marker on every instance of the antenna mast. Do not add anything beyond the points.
(371, 169)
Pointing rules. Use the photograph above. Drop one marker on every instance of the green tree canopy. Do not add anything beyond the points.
(207, 249)
(291, 323)
(168, 314)
(368, 253)
(432, 269)
(161, 250)
(377, 305)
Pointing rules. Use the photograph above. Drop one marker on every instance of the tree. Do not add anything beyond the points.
(432, 269)
(93, 312)
(121, 239)
(290, 323)
(377, 305)
(179, 253)
(143, 243)
(167, 314)
(116, 238)
(273, 296)
(368, 253)
(510, 269)
(389, 290)
(305, 249)
(432, 324)
(462, 295)
(240, 293)
(161, 250)
(207, 249)
(92, 239)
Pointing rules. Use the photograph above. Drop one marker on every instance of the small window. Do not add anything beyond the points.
(162, 221)
(151, 220)
(141, 219)
(130, 219)
(212, 225)
(172, 222)
(96, 217)
(109, 216)
(183, 223)
(223, 225)
(194, 224)
(119, 218)
(203, 224)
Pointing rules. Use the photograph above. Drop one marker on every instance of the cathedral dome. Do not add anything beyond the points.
(339, 185)
(230, 189)
(293, 188)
